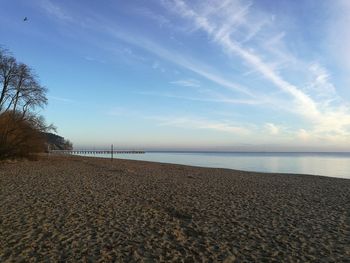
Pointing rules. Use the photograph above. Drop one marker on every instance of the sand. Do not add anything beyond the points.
(93, 210)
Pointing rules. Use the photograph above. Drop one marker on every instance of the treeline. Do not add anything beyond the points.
(22, 129)
(56, 142)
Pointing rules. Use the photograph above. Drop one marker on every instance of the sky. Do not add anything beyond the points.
(224, 75)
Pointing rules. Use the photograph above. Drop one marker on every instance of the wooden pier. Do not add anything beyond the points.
(97, 152)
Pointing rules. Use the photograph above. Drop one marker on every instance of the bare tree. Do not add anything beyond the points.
(20, 87)
(8, 74)
(21, 94)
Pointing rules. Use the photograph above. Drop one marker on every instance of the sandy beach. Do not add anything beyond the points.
(79, 209)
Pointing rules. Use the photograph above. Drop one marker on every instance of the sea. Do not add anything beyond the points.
(320, 163)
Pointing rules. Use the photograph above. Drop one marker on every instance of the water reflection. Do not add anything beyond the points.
(327, 164)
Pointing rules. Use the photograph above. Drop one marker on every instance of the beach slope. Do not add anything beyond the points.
(89, 209)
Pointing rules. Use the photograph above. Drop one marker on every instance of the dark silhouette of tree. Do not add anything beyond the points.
(8, 74)
(56, 142)
(21, 90)
(21, 128)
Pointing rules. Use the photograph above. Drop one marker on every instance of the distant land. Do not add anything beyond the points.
(56, 142)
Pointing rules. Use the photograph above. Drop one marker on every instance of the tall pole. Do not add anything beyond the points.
(112, 152)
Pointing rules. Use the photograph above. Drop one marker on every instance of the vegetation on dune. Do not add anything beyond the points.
(22, 130)
(56, 142)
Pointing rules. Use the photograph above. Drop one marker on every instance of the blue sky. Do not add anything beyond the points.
(172, 74)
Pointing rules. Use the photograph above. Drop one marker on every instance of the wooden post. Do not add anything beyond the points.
(112, 152)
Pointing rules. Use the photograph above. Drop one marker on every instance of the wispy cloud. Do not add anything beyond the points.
(198, 67)
(324, 119)
(146, 12)
(203, 99)
(232, 26)
(187, 83)
(320, 85)
(93, 59)
(61, 99)
(56, 11)
(177, 58)
(199, 123)
(272, 129)
(157, 66)
(231, 46)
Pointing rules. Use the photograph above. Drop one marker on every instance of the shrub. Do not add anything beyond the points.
(19, 137)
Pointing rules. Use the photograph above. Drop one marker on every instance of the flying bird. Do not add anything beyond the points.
(25, 19)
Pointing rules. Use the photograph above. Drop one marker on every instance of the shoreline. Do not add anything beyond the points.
(210, 167)
(82, 208)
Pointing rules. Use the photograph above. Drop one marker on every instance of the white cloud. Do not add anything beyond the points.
(187, 62)
(325, 120)
(217, 99)
(255, 29)
(199, 123)
(187, 83)
(303, 135)
(320, 85)
(231, 24)
(272, 129)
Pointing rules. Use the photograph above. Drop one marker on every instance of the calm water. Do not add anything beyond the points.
(327, 164)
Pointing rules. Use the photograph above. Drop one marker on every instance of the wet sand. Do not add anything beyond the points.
(94, 210)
